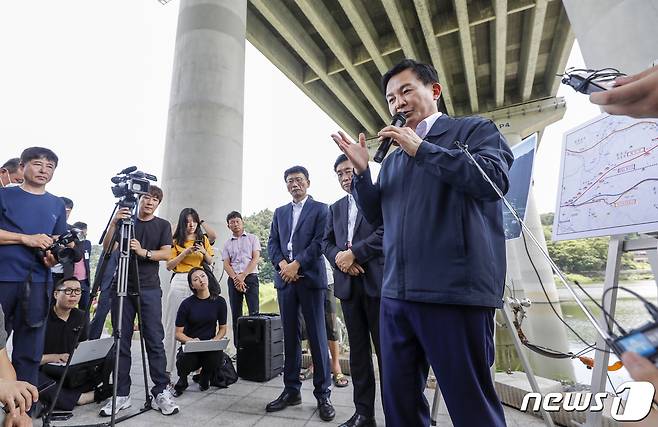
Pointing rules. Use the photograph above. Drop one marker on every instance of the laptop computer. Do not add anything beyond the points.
(89, 350)
(205, 345)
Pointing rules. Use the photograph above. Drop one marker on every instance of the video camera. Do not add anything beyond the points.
(130, 182)
(60, 250)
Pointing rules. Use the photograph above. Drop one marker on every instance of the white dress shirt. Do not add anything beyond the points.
(424, 127)
(296, 212)
(351, 218)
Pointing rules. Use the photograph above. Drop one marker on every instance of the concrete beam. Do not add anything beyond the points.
(287, 25)
(461, 11)
(393, 8)
(267, 43)
(529, 117)
(321, 19)
(499, 51)
(562, 44)
(425, 18)
(533, 29)
(358, 15)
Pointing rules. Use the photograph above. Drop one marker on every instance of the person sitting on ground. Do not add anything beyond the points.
(191, 249)
(16, 396)
(64, 322)
(201, 316)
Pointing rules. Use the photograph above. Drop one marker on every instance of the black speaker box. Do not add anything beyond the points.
(260, 351)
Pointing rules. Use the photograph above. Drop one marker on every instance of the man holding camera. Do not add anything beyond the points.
(30, 221)
(151, 244)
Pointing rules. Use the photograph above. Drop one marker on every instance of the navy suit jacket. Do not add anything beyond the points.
(444, 238)
(366, 247)
(306, 243)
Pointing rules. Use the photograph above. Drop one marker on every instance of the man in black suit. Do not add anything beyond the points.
(354, 249)
(295, 250)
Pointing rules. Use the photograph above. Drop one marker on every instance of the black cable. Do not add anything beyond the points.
(543, 288)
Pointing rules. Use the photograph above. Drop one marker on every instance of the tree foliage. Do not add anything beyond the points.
(259, 224)
(582, 255)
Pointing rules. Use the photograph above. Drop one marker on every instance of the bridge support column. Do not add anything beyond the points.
(541, 326)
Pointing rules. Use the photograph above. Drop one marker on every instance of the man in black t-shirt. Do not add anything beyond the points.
(151, 244)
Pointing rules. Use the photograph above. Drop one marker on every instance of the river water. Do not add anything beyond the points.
(630, 313)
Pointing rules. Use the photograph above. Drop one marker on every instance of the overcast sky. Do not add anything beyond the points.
(90, 79)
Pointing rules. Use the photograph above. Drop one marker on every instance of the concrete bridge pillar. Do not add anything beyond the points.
(203, 153)
(541, 326)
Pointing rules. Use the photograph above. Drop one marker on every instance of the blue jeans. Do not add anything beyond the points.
(26, 310)
(151, 304)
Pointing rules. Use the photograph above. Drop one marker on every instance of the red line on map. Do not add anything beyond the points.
(609, 170)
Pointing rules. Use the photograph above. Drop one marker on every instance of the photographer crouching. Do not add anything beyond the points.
(31, 219)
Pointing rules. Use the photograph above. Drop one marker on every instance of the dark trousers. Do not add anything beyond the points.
(84, 296)
(361, 314)
(102, 309)
(235, 299)
(68, 397)
(151, 302)
(458, 343)
(291, 298)
(26, 309)
(209, 361)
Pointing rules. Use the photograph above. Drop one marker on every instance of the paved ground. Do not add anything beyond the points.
(243, 404)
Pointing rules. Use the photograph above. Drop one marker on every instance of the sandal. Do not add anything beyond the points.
(340, 380)
(306, 373)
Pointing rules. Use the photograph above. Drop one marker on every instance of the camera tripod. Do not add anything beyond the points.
(126, 264)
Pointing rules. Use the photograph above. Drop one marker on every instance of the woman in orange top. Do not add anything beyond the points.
(191, 247)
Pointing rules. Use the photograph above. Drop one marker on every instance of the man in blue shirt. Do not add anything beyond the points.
(444, 249)
(30, 220)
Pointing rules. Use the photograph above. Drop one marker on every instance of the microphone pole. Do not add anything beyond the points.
(399, 119)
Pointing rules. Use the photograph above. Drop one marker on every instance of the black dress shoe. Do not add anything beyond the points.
(180, 387)
(283, 401)
(326, 409)
(358, 420)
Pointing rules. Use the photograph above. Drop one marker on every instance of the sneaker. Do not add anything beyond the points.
(122, 402)
(164, 403)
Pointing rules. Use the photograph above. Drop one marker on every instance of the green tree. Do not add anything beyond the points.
(259, 224)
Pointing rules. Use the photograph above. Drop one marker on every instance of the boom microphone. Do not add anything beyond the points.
(129, 169)
(399, 120)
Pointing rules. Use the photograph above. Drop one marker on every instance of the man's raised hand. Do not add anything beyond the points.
(357, 153)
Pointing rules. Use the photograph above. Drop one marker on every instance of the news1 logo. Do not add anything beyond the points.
(636, 408)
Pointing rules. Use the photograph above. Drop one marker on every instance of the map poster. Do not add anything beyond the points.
(608, 182)
(520, 177)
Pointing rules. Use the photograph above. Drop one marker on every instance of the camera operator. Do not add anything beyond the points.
(11, 173)
(151, 244)
(30, 220)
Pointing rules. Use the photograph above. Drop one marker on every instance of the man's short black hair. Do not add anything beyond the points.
(80, 225)
(11, 165)
(425, 72)
(295, 169)
(38, 153)
(68, 203)
(61, 282)
(340, 159)
(232, 215)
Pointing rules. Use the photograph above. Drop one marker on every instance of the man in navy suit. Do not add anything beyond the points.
(444, 245)
(354, 249)
(295, 250)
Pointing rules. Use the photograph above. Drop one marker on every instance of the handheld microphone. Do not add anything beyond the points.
(399, 119)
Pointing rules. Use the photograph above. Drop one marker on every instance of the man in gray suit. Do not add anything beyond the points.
(354, 249)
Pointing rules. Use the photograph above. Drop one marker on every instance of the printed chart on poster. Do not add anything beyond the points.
(520, 178)
(608, 182)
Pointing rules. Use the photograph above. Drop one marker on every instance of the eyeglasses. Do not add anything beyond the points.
(70, 291)
(298, 180)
